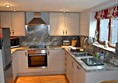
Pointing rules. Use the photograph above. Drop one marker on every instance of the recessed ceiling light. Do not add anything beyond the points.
(64, 10)
(7, 5)
(14, 10)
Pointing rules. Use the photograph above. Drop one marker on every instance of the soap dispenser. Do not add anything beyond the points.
(102, 57)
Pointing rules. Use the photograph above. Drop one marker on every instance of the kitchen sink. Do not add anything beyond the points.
(92, 61)
(81, 54)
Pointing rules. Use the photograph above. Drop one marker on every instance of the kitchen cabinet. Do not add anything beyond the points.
(70, 67)
(22, 61)
(18, 24)
(79, 74)
(64, 24)
(56, 24)
(56, 61)
(5, 19)
(71, 23)
(15, 64)
(15, 21)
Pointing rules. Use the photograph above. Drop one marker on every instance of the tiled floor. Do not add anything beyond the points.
(42, 79)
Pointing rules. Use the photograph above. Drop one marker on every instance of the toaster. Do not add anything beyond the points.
(66, 42)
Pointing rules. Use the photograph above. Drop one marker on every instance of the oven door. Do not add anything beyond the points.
(37, 60)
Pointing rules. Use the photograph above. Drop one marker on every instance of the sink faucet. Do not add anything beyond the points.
(85, 40)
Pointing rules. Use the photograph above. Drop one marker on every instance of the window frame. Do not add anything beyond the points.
(109, 32)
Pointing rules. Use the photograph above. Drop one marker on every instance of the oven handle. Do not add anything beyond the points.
(37, 54)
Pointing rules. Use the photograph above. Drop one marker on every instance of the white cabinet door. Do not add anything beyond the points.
(80, 76)
(70, 68)
(66, 63)
(15, 21)
(64, 24)
(6, 19)
(18, 23)
(15, 65)
(23, 61)
(56, 61)
(72, 23)
(56, 24)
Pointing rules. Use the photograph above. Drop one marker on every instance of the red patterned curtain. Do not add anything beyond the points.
(107, 13)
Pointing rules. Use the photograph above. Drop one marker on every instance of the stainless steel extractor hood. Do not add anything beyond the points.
(37, 20)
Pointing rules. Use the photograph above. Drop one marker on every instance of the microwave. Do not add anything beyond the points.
(15, 42)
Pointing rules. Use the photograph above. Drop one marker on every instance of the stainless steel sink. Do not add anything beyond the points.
(81, 54)
(92, 61)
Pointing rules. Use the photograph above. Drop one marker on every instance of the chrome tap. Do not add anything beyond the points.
(85, 40)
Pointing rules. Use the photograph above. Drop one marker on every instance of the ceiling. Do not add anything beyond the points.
(49, 5)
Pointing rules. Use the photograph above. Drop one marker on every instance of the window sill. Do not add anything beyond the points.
(105, 48)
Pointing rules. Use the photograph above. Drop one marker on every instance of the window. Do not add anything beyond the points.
(108, 31)
(114, 31)
(104, 30)
(107, 25)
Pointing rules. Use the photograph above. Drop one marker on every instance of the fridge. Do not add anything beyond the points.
(6, 73)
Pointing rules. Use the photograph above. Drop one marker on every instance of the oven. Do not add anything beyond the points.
(37, 58)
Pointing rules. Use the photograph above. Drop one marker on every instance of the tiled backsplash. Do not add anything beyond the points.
(38, 35)
(51, 40)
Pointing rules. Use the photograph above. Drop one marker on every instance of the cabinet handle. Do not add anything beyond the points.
(78, 68)
(65, 70)
(65, 59)
(13, 32)
(66, 32)
(12, 58)
(48, 53)
(25, 53)
(10, 32)
(63, 32)
(65, 64)
(72, 64)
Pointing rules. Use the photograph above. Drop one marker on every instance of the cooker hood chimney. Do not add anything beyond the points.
(37, 20)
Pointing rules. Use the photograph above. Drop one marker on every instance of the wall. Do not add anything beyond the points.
(87, 17)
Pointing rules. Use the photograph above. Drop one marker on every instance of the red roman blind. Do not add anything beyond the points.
(107, 13)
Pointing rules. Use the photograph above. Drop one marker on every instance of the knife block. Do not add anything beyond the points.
(73, 42)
